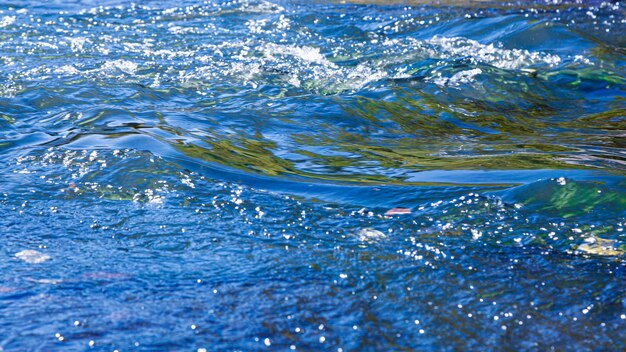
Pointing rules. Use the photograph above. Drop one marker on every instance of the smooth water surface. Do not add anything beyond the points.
(185, 175)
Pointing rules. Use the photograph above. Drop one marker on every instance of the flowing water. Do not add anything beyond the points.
(185, 175)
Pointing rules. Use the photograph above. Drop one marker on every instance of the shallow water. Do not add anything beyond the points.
(178, 175)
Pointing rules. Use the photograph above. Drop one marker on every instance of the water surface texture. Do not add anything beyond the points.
(192, 176)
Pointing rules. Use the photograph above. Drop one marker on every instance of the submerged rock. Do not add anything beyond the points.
(600, 246)
(32, 256)
(370, 235)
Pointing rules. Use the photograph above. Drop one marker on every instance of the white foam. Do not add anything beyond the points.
(124, 66)
(181, 30)
(7, 21)
(476, 52)
(67, 69)
(78, 44)
(32, 256)
(304, 53)
(463, 77)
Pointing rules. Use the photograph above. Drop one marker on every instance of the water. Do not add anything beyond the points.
(180, 175)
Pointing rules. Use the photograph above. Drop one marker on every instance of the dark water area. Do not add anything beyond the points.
(256, 175)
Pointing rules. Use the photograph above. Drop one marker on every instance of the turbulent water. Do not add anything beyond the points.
(188, 176)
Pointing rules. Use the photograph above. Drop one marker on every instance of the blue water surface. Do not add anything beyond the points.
(315, 176)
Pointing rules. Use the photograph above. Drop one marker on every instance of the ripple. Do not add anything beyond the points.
(237, 174)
